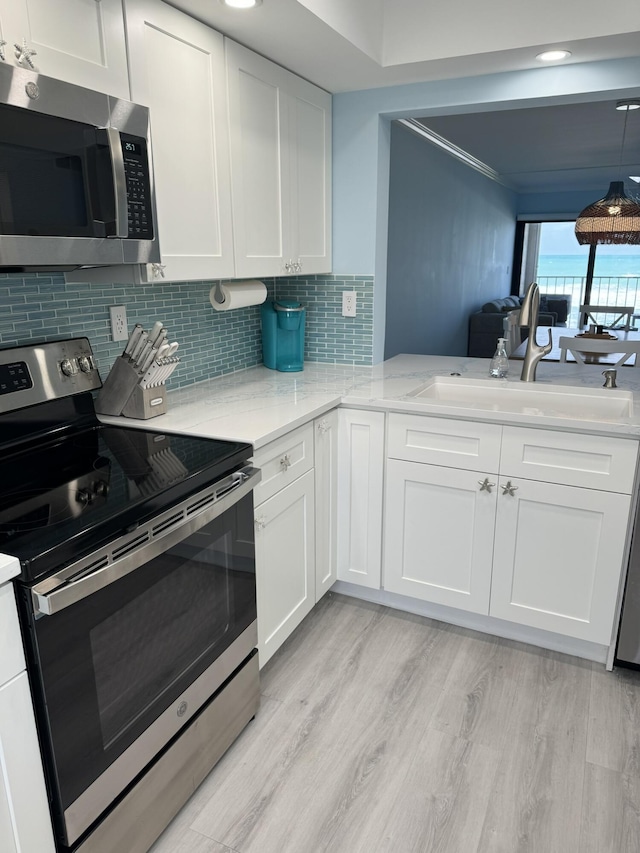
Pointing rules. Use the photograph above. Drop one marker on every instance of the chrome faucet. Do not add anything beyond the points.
(529, 317)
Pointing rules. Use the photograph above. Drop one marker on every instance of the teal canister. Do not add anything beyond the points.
(283, 335)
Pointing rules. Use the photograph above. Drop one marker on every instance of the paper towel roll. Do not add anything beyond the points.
(237, 294)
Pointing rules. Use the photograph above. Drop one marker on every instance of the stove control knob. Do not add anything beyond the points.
(83, 497)
(85, 364)
(101, 488)
(67, 367)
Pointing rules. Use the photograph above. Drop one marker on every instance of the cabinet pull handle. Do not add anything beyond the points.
(485, 485)
(285, 462)
(509, 488)
(23, 55)
(260, 522)
(297, 266)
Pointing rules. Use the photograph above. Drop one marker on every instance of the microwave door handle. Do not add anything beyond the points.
(119, 182)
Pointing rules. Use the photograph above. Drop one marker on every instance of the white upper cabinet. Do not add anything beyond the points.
(80, 41)
(281, 168)
(177, 70)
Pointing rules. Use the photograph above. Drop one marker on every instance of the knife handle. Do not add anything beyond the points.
(133, 339)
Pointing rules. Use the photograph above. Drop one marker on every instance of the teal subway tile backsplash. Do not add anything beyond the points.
(43, 306)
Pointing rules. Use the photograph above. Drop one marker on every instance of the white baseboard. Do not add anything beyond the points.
(477, 622)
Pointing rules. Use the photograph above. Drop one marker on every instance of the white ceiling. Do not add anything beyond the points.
(347, 45)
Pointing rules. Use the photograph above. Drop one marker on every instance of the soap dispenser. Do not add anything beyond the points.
(499, 366)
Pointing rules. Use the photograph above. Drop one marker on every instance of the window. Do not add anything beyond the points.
(596, 275)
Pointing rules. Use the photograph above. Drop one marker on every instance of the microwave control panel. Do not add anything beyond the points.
(136, 169)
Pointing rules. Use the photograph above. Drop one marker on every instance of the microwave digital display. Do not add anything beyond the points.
(131, 148)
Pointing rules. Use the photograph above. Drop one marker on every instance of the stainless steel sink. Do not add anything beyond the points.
(552, 401)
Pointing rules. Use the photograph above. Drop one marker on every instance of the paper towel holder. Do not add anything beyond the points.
(219, 294)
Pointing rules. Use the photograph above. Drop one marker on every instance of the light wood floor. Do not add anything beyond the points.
(383, 731)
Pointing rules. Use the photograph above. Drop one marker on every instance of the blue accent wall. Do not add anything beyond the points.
(450, 248)
(44, 307)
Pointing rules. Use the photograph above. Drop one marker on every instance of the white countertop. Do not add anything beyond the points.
(258, 405)
(9, 568)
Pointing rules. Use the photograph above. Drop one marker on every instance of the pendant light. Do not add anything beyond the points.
(614, 218)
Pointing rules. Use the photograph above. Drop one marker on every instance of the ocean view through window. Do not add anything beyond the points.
(561, 266)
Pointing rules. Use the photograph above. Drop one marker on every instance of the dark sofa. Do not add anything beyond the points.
(487, 324)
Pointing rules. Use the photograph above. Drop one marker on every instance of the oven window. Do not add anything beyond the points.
(143, 649)
(113, 662)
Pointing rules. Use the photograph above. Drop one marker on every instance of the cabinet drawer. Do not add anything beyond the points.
(283, 461)
(572, 459)
(442, 441)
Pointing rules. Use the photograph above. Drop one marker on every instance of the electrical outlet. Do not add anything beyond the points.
(118, 323)
(348, 303)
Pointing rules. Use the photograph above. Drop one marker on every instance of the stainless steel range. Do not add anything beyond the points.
(137, 598)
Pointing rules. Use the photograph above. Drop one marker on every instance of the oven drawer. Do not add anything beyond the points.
(282, 461)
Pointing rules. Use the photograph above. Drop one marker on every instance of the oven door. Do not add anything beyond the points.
(124, 656)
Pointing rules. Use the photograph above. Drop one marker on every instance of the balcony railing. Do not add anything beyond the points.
(605, 290)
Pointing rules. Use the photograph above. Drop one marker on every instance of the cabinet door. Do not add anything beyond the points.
(439, 534)
(80, 41)
(360, 483)
(260, 177)
(25, 824)
(281, 168)
(309, 134)
(326, 473)
(178, 71)
(558, 557)
(285, 563)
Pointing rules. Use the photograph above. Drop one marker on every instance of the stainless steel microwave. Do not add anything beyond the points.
(76, 184)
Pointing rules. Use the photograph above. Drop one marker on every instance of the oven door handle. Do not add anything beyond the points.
(71, 585)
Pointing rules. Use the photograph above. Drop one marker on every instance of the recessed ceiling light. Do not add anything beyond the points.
(553, 55)
(241, 4)
(628, 105)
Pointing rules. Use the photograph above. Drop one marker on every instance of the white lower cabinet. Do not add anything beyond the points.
(360, 492)
(25, 823)
(285, 562)
(326, 477)
(439, 535)
(558, 556)
(295, 528)
(541, 554)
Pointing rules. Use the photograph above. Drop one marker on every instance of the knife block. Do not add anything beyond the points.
(117, 388)
(146, 403)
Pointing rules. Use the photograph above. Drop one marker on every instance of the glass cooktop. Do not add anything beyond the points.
(62, 497)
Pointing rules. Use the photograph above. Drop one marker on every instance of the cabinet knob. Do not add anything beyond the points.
(297, 266)
(485, 485)
(285, 462)
(157, 270)
(260, 522)
(288, 267)
(509, 488)
(323, 425)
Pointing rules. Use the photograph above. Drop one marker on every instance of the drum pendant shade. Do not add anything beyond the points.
(613, 219)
